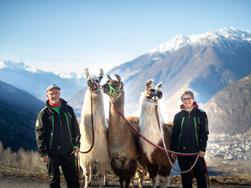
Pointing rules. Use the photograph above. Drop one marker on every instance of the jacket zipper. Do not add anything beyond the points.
(67, 120)
(196, 130)
(181, 129)
(52, 130)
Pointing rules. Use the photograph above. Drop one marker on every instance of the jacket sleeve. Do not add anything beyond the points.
(175, 133)
(75, 130)
(203, 131)
(40, 131)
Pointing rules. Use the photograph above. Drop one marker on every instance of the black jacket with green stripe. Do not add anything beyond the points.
(57, 133)
(190, 131)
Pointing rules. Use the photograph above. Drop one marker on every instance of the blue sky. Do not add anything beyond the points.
(71, 35)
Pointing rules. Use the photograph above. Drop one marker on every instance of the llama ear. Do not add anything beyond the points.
(87, 74)
(109, 77)
(101, 74)
(118, 77)
(149, 83)
(159, 86)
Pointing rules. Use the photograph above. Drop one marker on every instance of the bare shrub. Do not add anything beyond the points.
(28, 161)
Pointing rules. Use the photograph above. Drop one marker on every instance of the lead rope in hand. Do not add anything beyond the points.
(164, 144)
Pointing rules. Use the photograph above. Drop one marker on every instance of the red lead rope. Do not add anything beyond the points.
(136, 132)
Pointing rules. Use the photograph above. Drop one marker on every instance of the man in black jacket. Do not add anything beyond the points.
(190, 135)
(58, 136)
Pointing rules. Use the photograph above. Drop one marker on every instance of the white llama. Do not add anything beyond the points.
(93, 122)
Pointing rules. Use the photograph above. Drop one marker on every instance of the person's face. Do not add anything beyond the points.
(53, 96)
(187, 101)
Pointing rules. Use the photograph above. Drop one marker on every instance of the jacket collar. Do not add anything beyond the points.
(195, 107)
(63, 102)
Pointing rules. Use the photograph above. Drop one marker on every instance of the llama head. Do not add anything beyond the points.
(113, 87)
(152, 93)
(93, 82)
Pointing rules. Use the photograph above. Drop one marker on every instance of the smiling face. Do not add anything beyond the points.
(53, 96)
(187, 101)
(113, 87)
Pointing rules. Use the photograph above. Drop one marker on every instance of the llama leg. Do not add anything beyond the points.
(164, 181)
(164, 176)
(90, 174)
(152, 169)
(100, 180)
(100, 173)
(154, 182)
(105, 179)
(128, 182)
(86, 174)
(131, 183)
(141, 175)
(141, 179)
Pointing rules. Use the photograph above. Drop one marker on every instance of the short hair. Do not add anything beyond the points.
(188, 92)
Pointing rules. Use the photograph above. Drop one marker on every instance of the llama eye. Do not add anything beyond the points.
(151, 90)
(89, 82)
(159, 94)
(148, 96)
(115, 84)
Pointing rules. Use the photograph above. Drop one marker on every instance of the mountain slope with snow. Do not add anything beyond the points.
(36, 81)
(205, 63)
(209, 38)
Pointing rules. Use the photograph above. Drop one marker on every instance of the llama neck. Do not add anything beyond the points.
(114, 116)
(92, 101)
(149, 115)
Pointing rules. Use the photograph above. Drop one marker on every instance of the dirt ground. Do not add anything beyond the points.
(42, 182)
(16, 178)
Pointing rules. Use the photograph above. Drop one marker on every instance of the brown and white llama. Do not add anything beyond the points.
(93, 119)
(121, 140)
(152, 127)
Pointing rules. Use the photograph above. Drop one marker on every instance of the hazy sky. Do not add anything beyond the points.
(66, 36)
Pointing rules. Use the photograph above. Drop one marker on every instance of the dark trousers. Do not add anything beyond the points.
(67, 163)
(199, 171)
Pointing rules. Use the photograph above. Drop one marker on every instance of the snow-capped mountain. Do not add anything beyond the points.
(70, 75)
(35, 81)
(229, 110)
(208, 38)
(205, 63)
(17, 66)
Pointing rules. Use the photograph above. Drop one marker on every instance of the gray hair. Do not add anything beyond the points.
(188, 92)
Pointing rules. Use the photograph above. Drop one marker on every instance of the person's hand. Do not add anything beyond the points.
(173, 156)
(75, 151)
(202, 153)
(44, 159)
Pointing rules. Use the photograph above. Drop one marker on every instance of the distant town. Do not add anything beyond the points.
(228, 147)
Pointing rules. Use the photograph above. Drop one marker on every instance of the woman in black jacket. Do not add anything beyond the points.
(190, 135)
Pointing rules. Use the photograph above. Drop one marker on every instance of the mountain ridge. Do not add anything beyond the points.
(229, 110)
(18, 110)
